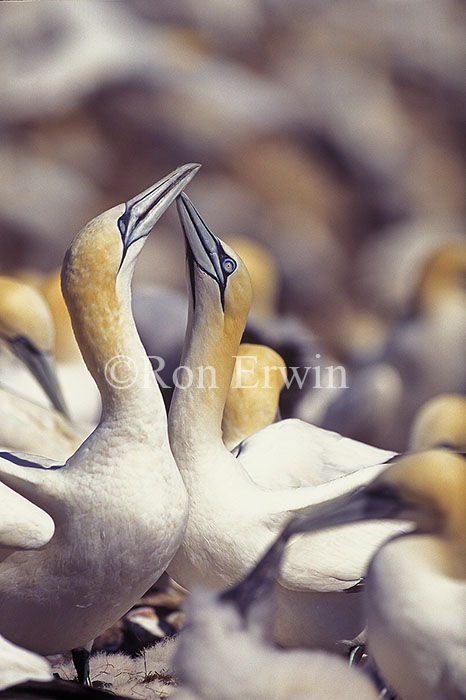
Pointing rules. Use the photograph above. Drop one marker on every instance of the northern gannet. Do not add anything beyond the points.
(225, 650)
(118, 504)
(26, 329)
(427, 347)
(238, 501)
(252, 401)
(416, 582)
(26, 426)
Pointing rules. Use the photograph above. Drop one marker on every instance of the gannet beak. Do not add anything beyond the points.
(201, 244)
(143, 211)
(203, 248)
(42, 366)
(259, 582)
(362, 504)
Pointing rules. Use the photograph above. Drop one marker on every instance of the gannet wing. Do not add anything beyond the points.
(18, 665)
(330, 560)
(23, 525)
(25, 459)
(293, 453)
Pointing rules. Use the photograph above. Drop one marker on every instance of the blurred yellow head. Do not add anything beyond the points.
(24, 314)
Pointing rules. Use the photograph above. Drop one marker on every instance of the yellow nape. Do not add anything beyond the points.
(440, 421)
(442, 277)
(88, 279)
(66, 347)
(434, 484)
(24, 313)
(252, 401)
(263, 270)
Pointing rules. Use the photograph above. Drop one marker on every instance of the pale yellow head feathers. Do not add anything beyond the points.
(434, 484)
(263, 271)
(66, 347)
(252, 401)
(24, 313)
(89, 285)
(443, 276)
(441, 421)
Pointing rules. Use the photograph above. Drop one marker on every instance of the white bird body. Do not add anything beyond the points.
(19, 665)
(219, 658)
(225, 650)
(233, 519)
(118, 504)
(430, 626)
(416, 582)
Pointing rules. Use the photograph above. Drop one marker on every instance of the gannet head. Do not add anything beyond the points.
(443, 277)
(441, 421)
(220, 286)
(252, 400)
(263, 270)
(428, 488)
(98, 266)
(26, 327)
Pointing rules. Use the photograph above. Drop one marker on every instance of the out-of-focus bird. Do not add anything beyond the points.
(252, 401)
(28, 427)
(226, 652)
(440, 422)
(427, 348)
(234, 513)
(416, 582)
(26, 330)
(118, 504)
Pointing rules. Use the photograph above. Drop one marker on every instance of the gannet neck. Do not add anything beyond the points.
(96, 285)
(211, 344)
(219, 300)
(97, 292)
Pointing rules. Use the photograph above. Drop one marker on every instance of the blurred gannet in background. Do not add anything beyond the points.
(26, 329)
(427, 349)
(252, 401)
(232, 518)
(18, 665)
(28, 427)
(416, 582)
(225, 651)
(441, 422)
(118, 503)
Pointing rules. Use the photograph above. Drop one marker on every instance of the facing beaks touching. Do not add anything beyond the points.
(42, 366)
(145, 209)
(203, 248)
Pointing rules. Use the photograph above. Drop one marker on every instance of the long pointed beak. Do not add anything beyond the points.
(354, 507)
(42, 367)
(143, 211)
(361, 504)
(201, 244)
(259, 582)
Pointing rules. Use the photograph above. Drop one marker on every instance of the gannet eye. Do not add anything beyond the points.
(228, 265)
